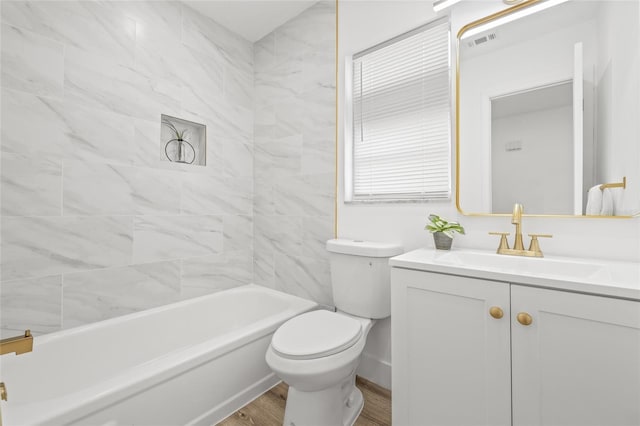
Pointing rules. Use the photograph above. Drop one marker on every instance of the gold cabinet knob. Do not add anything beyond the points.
(496, 312)
(524, 318)
(3, 391)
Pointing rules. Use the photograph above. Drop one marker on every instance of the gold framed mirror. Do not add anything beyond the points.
(547, 107)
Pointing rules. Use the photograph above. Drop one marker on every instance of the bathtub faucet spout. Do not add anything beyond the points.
(19, 344)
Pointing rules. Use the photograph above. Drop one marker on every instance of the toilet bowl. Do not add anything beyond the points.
(320, 375)
(317, 353)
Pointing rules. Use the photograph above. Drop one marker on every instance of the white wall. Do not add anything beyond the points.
(362, 24)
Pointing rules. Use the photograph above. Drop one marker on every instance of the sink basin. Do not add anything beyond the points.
(566, 268)
(597, 276)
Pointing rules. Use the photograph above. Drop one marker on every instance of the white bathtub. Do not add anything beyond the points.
(192, 362)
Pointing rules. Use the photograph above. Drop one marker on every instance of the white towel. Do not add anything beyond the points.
(607, 203)
(594, 201)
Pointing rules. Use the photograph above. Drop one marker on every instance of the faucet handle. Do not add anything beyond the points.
(504, 244)
(534, 246)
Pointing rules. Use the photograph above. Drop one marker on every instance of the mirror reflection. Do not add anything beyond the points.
(548, 110)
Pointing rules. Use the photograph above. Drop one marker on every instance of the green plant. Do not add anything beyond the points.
(179, 134)
(437, 224)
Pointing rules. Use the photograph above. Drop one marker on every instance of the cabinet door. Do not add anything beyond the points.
(578, 362)
(450, 357)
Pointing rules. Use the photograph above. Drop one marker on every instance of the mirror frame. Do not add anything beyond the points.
(523, 5)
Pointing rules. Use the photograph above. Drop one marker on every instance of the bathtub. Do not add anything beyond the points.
(192, 362)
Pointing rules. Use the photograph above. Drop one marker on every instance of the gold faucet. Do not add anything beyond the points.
(18, 344)
(518, 246)
(516, 219)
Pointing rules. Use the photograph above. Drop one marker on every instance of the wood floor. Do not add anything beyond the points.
(268, 410)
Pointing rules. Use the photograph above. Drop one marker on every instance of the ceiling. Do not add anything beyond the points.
(251, 19)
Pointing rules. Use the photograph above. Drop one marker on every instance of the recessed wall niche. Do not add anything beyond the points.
(183, 141)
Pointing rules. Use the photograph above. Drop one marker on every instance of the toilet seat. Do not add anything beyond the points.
(315, 335)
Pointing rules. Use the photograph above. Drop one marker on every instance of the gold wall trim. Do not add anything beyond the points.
(335, 199)
(462, 30)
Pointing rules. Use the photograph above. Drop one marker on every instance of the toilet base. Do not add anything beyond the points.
(338, 405)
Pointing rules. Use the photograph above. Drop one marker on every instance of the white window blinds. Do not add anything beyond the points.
(401, 117)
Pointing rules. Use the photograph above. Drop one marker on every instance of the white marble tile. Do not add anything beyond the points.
(161, 58)
(31, 63)
(237, 157)
(318, 153)
(264, 52)
(263, 269)
(98, 83)
(319, 106)
(105, 189)
(155, 20)
(319, 71)
(279, 83)
(174, 237)
(207, 36)
(293, 40)
(305, 277)
(291, 117)
(34, 304)
(39, 246)
(95, 135)
(156, 191)
(202, 194)
(216, 272)
(30, 187)
(308, 195)
(238, 233)
(238, 84)
(277, 234)
(201, 73)
(264, 123)
(147, 146)
(20, 111)
(92, 26)
(230, 120)
(263, 199)
(278, 158)
(97, 189)
(315, 233)
(41, 127)
(107, 293)
(312, 30)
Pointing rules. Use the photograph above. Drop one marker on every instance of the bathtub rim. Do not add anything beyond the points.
(56, 335)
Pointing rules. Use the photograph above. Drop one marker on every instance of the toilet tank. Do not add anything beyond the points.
(360, 276)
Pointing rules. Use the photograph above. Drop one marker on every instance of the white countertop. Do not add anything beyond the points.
(602, 277)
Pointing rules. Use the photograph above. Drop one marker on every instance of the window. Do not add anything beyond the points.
(400, 145)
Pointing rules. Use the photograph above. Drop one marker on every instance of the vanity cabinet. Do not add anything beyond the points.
(462, 354)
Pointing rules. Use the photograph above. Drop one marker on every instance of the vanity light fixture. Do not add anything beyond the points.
(537, 7)
(439, 5)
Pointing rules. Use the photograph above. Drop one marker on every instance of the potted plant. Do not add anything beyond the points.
(443, 231)
(180, 141)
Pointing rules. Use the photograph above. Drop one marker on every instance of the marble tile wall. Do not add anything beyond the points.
(294, 151)
(94, 223)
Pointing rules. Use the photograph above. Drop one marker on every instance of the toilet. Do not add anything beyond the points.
(317, 353)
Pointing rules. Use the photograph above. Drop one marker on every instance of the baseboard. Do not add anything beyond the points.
(375, 370)
(231, 405)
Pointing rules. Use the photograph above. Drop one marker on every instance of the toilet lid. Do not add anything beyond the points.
(315, 334)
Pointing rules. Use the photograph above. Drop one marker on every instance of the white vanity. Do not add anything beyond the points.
(485, 339)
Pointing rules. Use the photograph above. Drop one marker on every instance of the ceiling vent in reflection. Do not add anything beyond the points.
(482, 40)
